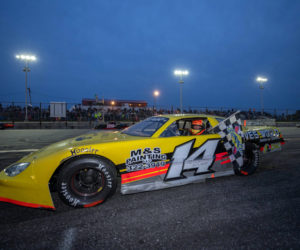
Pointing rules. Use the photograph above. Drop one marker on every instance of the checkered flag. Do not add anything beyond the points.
(231, 132)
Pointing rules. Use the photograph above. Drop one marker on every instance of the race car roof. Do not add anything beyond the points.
(191, 116)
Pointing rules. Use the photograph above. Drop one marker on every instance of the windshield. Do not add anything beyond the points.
(220, 119)
(147, 127)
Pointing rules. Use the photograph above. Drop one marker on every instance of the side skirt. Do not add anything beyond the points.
(157, 182)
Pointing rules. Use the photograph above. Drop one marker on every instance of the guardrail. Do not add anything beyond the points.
(288, 124)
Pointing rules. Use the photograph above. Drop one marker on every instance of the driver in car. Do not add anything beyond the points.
(197, 127)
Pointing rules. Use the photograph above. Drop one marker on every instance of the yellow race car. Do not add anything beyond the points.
(159, 152)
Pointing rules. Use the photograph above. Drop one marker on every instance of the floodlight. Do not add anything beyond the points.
(261, 79)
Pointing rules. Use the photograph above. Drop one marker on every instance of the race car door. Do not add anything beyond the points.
(175, 158)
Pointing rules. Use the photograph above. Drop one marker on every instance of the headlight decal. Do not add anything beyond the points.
(16, 169)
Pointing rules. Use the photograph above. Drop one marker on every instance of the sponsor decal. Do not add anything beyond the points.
(145, 158)
(73, 201)
(270, 147)
(251, 135)
(262, 134)
(108, 177)
(77, 151)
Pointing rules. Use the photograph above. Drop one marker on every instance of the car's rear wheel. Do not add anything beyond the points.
(86, 182)
(251, 160)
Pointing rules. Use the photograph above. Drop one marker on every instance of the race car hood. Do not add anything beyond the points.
(80, 141)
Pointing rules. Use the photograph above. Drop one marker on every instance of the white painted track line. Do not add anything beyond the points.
(18, 150)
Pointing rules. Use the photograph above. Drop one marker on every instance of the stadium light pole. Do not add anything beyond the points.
(27, 59)
(261, 80)
(181, 73)
(112, 104)
(156, 95)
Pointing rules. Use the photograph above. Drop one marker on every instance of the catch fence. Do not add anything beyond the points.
(15, 111)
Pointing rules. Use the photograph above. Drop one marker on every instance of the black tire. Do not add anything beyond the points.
(87, 182)
(251, 160)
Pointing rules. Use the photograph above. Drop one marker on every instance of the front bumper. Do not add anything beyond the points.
(24, 190)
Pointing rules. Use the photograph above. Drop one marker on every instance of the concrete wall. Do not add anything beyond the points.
(288, 124)
(262, 122)
(271, 122)
(53, 125)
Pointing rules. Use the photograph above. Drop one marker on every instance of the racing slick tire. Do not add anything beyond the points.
(251, 160)
(86, 182)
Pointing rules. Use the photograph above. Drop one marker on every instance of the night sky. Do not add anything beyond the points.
(125, 49)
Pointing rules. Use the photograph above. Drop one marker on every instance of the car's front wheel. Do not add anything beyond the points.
(86, 182)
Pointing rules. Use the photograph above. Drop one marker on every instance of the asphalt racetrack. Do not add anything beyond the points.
(261, 211)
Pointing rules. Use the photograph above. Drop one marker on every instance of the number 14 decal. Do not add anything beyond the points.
(181, 161)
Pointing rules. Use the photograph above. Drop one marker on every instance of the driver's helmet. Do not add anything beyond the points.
(197, 127)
